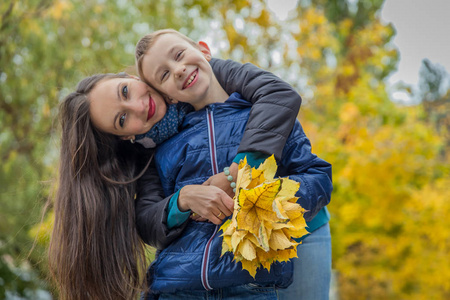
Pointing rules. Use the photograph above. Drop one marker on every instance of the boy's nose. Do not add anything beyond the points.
(180, 70)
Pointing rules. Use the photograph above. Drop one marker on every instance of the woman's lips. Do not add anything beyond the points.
(151, 108)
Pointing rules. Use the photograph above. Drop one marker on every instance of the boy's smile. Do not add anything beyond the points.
(191, 80)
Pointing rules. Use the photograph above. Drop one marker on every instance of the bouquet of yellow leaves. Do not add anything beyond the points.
(266, 218)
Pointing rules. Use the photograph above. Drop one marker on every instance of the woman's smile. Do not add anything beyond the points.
(151, 108)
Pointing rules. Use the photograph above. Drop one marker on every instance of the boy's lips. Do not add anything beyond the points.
(191, 79)
(151, 108)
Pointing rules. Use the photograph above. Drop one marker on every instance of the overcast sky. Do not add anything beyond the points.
(423, 31)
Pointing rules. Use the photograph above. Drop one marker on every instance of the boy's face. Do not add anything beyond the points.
(179, 69)
(125, 107)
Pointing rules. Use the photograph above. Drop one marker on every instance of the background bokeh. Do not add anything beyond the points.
(390, 206)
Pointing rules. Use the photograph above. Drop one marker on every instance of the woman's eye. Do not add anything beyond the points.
(125, 91)
(164, 74)
(122, 120)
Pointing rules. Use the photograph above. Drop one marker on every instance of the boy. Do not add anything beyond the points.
(178, 68)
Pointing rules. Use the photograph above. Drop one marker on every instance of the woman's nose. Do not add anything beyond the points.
(135, 105)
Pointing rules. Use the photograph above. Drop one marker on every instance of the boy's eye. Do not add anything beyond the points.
(178, 55)
(122, 119)
(125, 91)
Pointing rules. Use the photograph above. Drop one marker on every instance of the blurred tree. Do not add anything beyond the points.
(46, 46)
(432, 81)
(385, 157)
(434, 84)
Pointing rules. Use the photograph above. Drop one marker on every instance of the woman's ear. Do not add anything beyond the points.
(129, 75)
(169, 100)
(134, 77)
(128, 138)
(204, 48)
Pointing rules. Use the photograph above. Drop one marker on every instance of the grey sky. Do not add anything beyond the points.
(423, 31)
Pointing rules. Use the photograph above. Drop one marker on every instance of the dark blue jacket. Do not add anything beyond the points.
(194, 261)
(275, 106)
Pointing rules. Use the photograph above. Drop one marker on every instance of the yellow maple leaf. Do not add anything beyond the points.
(244, 175)
(256, 206)
(265, 220)
(247, 249)
(250, 266)
(279, 241)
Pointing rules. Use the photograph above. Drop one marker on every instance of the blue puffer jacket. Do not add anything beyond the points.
(207, 143)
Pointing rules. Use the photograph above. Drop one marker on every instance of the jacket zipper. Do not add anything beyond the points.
(212, 141)
(215, 170)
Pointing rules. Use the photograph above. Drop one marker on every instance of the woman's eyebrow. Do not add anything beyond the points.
(115, 120)
(118, 98)
(118, 91)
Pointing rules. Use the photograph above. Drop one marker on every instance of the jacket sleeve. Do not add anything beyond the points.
(275, 109)
(151, 211)
(313, 173)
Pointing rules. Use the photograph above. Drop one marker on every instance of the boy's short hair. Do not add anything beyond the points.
(146, 42)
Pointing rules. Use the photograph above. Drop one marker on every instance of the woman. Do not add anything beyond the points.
(95, 251)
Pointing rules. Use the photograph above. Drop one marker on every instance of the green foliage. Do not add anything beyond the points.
(390, 163)
(45, 48)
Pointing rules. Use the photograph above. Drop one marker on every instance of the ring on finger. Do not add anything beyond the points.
(219, 214)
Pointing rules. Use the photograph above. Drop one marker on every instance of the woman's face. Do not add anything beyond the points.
(125, 107)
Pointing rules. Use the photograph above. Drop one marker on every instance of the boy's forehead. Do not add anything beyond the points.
(161, 49)
(170, 41)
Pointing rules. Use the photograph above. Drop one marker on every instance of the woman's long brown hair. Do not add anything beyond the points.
(95, 251)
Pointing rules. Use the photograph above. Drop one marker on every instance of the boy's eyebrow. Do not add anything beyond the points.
(169, 53)
(172, 49)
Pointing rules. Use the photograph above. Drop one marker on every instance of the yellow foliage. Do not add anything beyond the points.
(58, 10)
(46, 110)
(265, 220)
(240, 4)
(33, 26)
(264, 18)
(41, 232)
(391, 169)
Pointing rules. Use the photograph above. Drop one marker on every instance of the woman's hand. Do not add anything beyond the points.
(198, 218)
(208, 202)
(220, 180)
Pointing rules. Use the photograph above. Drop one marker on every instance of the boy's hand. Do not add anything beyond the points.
(220, 180)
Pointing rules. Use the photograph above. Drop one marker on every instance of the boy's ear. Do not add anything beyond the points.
(204, 48)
